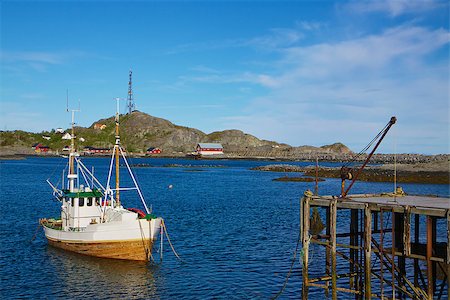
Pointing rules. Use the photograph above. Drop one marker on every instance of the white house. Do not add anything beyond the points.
(66, 136)
(59, 130)
(209, 149)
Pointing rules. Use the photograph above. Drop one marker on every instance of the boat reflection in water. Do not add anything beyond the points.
(96, 278)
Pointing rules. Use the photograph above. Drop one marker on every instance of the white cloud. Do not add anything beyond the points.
(394, 8)
(310, 26)
(371, 53)
(348, 90)
(32, 96)
(276, 38)
(36, 60)
(30, 56)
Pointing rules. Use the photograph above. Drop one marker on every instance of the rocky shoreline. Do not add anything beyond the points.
(411, 168)
(431, 172)
(401, 159)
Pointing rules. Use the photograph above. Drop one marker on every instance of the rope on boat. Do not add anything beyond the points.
(57, 168)
(168, 239)
(36, 232)
(148, 254)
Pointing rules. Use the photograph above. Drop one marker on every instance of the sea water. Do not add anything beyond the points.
(235, 229)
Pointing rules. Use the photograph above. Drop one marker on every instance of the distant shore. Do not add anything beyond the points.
(430, 173)
(419, 160)
(429, 169)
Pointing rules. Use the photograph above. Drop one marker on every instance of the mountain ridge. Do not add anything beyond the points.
(140, 131)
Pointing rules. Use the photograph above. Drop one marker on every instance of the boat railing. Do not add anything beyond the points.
(76, 229)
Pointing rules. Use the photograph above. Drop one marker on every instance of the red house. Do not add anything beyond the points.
(153, 150)
(38, 148)
(92, 150)
(209, 149)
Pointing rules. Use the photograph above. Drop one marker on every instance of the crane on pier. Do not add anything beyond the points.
(348, 173)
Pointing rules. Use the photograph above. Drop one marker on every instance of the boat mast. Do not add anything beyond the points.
(116, 149)
(72, 176)
(117, 152)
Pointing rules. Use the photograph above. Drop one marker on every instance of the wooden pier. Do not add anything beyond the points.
(395, 246)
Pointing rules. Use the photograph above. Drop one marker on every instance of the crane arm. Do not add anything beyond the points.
(347, 173)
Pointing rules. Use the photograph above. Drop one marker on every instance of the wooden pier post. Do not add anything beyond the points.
(354, 284)
(433, 242)
(367, 250)
(399, 246)
(393, 253)
(305, 242)
(448, 253)
(381, 254)
(407, 232)
(333, 223)
(429, 254)
(416, 242)
(327, 252)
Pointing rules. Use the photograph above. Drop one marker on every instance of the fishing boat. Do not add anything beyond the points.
(93, 220)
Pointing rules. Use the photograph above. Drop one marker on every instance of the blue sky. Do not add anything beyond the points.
(298, 72)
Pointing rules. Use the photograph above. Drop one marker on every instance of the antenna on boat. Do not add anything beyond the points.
(67, 100)
(72, 175)
(116, 153)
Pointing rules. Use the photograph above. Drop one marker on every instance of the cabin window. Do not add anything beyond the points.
(81, 202)
(72, 201)
(89, 201)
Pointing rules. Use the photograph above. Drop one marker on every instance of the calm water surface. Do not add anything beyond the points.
(235, 229)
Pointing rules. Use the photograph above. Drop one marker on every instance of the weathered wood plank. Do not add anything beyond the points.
(305, 242)
(367, 251)
(127, 250)
(333, 223)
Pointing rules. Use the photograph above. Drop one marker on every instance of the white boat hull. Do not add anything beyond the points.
(132, 240)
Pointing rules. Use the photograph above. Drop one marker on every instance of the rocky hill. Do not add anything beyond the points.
(337, 148)
(140, 131)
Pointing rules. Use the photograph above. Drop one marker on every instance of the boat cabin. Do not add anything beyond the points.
(80, 208)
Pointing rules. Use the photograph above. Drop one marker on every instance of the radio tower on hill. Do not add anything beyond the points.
(130, 104)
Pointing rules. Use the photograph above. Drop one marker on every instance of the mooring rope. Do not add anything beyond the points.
(36, 232)
(147, 251)
(168, 239)
(291, 267)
